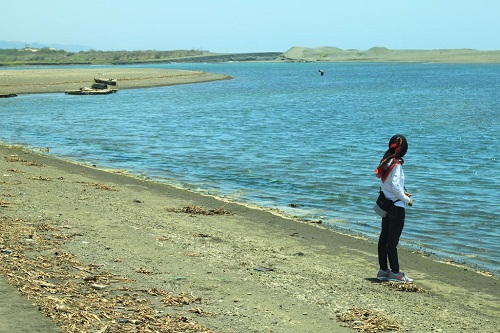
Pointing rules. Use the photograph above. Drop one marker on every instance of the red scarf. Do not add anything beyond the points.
(393, 157)
(386, 165)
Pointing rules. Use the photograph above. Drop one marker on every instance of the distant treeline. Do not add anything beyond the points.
(49, 56)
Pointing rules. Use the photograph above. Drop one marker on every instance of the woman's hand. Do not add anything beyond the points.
(408, 194)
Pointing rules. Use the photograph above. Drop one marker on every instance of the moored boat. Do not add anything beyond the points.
(110, 81)
(90, 91)
(99, 86)
(7, 95)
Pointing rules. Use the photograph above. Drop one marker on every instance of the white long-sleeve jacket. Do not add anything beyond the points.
(394, 187)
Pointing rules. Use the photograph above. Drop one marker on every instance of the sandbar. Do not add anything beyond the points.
(33, 81)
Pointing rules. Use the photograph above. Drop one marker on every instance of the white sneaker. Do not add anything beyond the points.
(399, 277)
(383, 275)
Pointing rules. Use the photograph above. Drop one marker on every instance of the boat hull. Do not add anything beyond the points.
(90, 92)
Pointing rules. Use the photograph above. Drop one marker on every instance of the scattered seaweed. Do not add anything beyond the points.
(40, 178)
(405, 286)
(14, 158)
(182, 299)
(5, 203)
(196, 210)
(10, 183)
(83, 297)
(368, 321)
(485, 273)
(98, 186)
(202, 312)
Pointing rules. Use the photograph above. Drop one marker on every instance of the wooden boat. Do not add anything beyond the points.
(99, 86)
(90, 91)
(110, 81)
(7, 95)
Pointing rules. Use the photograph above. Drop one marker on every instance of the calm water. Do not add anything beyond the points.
(280, 134)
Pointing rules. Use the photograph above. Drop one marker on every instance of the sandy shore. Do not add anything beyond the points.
(101, 251)
(19, 81)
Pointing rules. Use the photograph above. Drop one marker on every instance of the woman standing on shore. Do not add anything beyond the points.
(392, 183)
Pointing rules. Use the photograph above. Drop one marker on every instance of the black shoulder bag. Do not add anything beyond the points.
(383, 205)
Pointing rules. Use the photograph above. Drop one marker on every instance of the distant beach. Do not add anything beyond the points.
(382, 54)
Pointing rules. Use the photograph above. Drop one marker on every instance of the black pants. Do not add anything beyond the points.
(392, 227)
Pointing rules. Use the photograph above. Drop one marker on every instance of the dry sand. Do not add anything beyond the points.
(101, 251)
(89, 250)
(21, 81)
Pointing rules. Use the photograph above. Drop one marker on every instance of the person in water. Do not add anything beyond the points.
(392, 183)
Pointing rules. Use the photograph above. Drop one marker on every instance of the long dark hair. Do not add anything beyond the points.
(398, 146)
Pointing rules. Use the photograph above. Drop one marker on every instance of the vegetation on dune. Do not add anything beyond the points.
(49, 56)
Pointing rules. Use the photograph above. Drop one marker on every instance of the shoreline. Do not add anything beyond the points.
(413, 247)
(58, 80)
(247, 269)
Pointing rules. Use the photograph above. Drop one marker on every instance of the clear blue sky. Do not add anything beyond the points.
(254, 25)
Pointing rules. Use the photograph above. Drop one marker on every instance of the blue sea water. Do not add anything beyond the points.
(279, 134)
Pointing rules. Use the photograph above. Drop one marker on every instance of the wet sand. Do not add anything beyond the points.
(102, 251)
